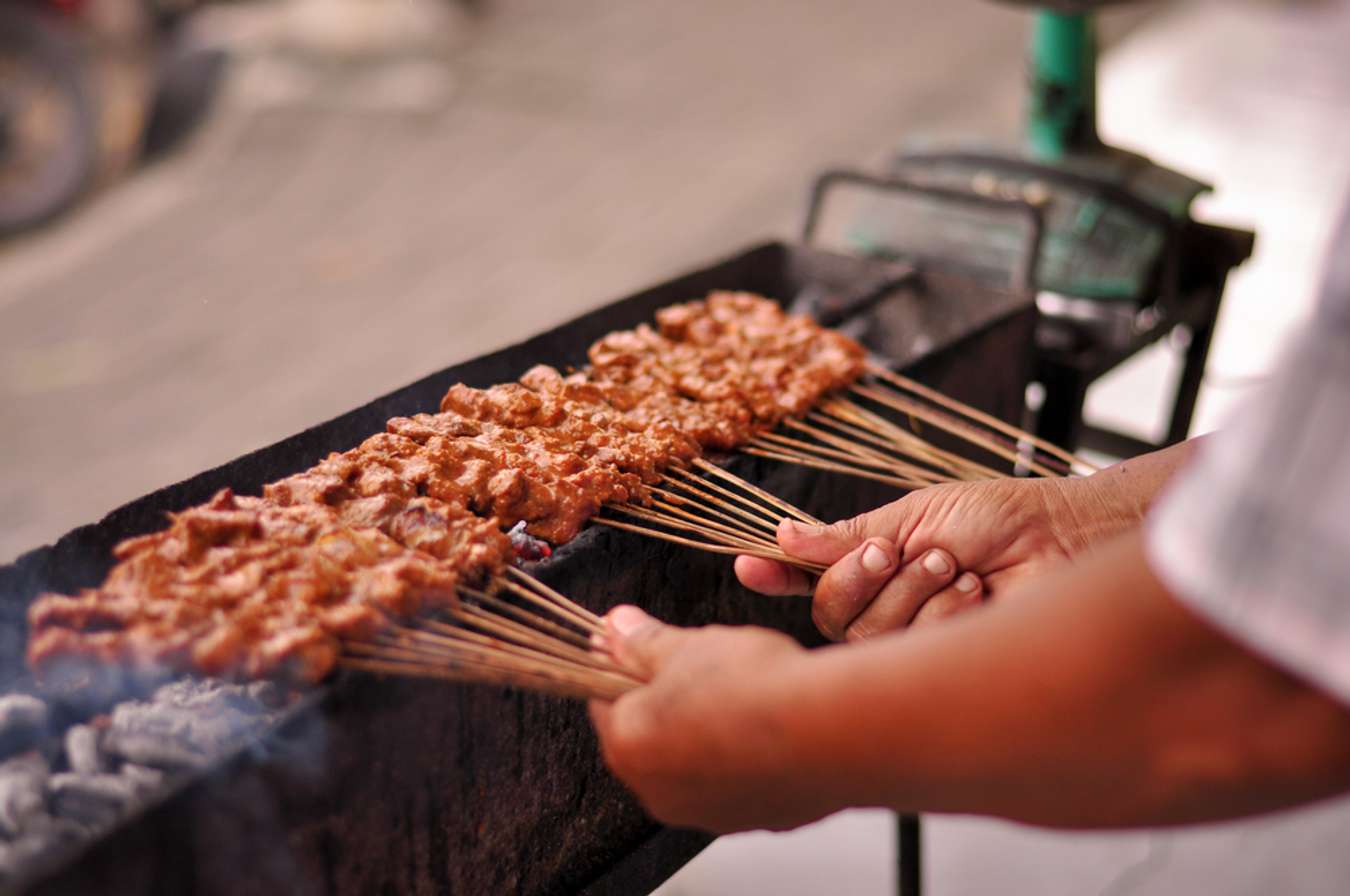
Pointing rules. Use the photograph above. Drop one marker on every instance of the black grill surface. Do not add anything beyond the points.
(372, 785)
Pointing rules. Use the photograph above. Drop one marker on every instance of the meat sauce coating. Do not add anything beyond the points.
(243, 587)
(270, 586)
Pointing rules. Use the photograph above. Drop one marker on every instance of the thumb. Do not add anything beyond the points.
(829, 544)
(639, 642)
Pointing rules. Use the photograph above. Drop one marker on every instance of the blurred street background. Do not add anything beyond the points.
(299, 205)
(383, 187)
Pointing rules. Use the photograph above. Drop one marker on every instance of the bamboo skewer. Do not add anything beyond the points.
(729, 513)
(841, 418)
(673, 502)
(733, 532)
(695, 484)
(458, 645)
(539, 593)
(961, 467)
(770, 441)
(717, 512)
(952, 425)
(716, 534)
(807, 460)
(859, 457)
(715, 470)
(901, 467)
(935, 473)
(555, 596)
(903, 382)
(899, 438)
(544, 644)
(502, 635)
(486, 675)
(468, 658)
(528, 617)
(712, 546)
(523, 635)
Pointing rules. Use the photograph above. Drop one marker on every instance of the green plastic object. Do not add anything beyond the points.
(1062, 107)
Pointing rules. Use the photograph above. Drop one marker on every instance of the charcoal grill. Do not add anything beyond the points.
(397, 785)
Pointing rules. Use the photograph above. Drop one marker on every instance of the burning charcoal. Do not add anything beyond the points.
(185, 724)
(526, 546)
(143, 777)
(22, 798)
(23, 719)
(82, 752)
(92, 799)
(154, 749)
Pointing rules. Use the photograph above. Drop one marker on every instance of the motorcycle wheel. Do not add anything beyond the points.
(48, 126)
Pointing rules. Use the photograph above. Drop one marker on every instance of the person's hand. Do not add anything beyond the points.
(936, 551)
(698, 744)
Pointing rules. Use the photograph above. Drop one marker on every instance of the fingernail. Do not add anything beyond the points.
(967, 583)
(625, 620)
(874, 559)
(934, 562)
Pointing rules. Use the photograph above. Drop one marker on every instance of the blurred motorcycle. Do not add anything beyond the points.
(48, 115)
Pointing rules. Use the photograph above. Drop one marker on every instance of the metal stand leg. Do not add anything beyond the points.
(1061, 416)
(909, 855)
(1192, 373)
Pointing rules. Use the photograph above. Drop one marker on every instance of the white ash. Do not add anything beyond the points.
(101, 772)
(187, 723)
(95, 800)
(22, 793)
(142, 775)
(82, 750)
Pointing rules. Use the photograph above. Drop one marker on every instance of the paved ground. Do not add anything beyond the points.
(304, 255)
(340, 229)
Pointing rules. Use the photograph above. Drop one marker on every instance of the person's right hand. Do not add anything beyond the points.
(936, 551)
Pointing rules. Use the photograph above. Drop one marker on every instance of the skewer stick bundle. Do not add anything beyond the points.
(849, 433)
(716, 512)
(334, 563)
(542, 642)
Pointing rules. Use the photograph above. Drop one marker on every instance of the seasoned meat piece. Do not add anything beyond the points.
(738, 358)
(270, 586)
(241, 586)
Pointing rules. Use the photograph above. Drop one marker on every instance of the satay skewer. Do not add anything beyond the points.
(666, 510)
(807, 460)
(721, 510)
(712, 547)
(764, 496)
(905, 383)
(583, 689)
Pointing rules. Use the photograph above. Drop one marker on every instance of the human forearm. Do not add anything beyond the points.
(1093, 508)
(1097, 701)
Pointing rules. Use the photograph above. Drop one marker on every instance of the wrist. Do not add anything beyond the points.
(807, 714)
(1086, 510)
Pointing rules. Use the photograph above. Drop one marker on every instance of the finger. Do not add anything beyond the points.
(904, 594)
(847, 587)
(771, 577)
(966, 593)
(600, 711)
(829, 544)
(603, 716)
(639, 642)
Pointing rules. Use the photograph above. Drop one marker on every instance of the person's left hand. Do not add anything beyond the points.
(700, 744)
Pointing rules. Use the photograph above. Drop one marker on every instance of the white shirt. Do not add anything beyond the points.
(1254, 534)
